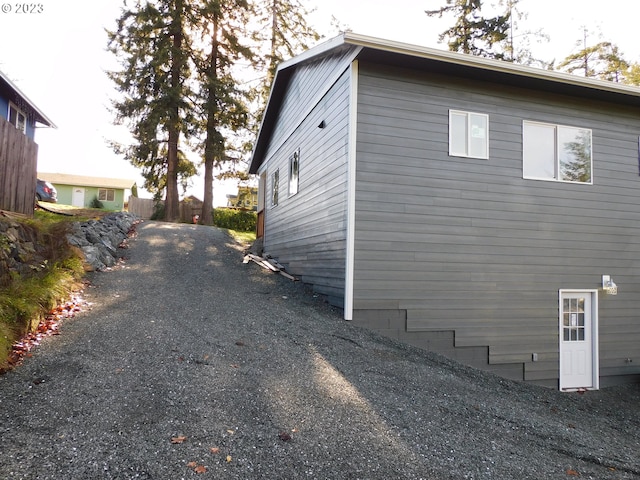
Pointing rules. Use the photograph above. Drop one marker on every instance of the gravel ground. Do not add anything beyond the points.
(190, 364)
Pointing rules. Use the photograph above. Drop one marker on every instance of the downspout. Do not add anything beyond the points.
(351, 193)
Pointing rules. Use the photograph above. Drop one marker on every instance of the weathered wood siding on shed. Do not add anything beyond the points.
(467, 245)
(306, 232)
(18, 167)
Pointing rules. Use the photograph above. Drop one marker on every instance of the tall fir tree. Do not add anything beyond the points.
(224, 111)
(602, 60)
(472, 33)
(287, 33)
(632, 77)
(151, 44)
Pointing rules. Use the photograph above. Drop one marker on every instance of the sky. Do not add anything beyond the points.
(57, 56)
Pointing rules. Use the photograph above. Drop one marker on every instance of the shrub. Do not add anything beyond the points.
(240, 220)
(95, 203)
(158, 211)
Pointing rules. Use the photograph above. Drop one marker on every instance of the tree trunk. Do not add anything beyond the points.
(171, 204)
(210, 147)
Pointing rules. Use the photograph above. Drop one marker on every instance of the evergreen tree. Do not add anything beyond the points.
(516, 46)
(472, 33)
(223, 104)
(632, 77)
(602, 60)
(150, 42)
(288, 33)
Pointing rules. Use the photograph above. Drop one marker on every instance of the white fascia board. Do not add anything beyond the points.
(487, 64)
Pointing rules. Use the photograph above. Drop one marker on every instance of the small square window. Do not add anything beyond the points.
(294, 169)
(468, 134)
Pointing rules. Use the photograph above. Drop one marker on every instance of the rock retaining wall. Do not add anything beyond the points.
(99, 239)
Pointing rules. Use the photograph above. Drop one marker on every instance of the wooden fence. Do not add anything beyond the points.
(142, 207)
(145, 207)
(18, 170)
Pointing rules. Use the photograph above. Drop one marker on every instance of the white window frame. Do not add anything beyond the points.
(294, 173)
(555, 150)
(103, 194)
(471, 133)
(18, 113)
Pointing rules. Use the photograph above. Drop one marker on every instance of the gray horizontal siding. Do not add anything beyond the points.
(306, 232)
(468, 245)
(307, 85)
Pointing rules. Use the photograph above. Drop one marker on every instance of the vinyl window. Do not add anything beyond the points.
(556, 153)
(275, 186)
(294, 170)
(17, 118)
(468, 134)
(106, 194)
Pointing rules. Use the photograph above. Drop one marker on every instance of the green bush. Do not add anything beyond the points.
(95, 203)
(158, 211)
(240, 220)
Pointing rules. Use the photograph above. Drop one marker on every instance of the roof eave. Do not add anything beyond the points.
(280, 78)
(487, 64)
(40, 116)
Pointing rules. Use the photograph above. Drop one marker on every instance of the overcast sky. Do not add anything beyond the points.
(56, 55)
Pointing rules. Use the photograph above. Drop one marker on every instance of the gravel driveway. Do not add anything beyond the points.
(190, 364)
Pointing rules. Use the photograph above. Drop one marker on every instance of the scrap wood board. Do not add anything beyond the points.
(269, 264)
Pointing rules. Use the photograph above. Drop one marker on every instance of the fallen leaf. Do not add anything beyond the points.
(200, 469)
(231, 432)
(229, 458)
(178, 439)
(573, 473)
(192, 464)
(235, 365)
(214, 450)
(284, 436)
(205, 358)
(239, 343)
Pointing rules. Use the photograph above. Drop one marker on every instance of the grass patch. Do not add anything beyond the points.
(26, 299)
(243, 237)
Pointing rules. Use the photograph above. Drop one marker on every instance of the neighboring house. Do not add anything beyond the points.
(80, 191)
(18, 110)
(19, 117)
(468, 206)
(247, 197)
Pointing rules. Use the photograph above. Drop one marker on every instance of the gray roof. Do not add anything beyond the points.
(405, 55)
(40, 117)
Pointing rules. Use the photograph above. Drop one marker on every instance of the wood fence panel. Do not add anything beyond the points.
(142, 207)
(18, 170)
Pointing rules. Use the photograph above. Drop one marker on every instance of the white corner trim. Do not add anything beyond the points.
(351, 193)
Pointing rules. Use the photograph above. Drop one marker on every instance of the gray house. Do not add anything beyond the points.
(484, 210)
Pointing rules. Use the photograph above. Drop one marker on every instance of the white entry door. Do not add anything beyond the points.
(578, 340)
(77, 197)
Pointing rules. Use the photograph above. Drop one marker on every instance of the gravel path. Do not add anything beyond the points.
(190, 361)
